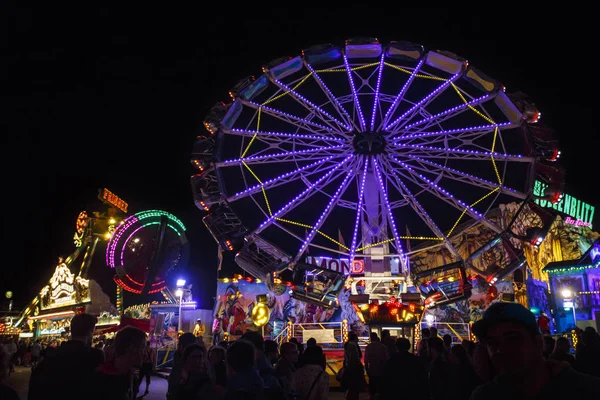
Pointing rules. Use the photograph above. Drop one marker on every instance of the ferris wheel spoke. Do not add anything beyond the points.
(464, 177)
(408, 115)
(466, 132)
(319, 166)
(398, 99)
(286, 156)
(396, 181)
(359, 209)
(305, 194)
(285, 135)
(377, 90)
(357, 107)
(330, 96)
(452, 153)
(390, 215)
(328, 208)
(430, 186)
(304, 124)
(451, 112)
(312, 108)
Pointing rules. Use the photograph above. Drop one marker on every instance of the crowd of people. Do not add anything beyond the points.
(512, 359)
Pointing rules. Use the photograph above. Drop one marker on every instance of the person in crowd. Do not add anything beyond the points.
(588, 353)
(6, 392)
(548, 346)
(114, 380)
(311, 342)
(463, 377)
(544, 323)
(311, 381)
(353, 377)
(513, 340)
(286, 366)
(265, 368)
(376, 355)
(35, 352)
(148, 363)
(433, 332)
(439, 369)
(185, 340)
(403, 373)
(387, 340)
(71, 365)
(447, 344)
(243, 379)
(423, 346)
(10, 348)
(109, 349)
(216, 358)
(469, 346)
(562, 350)
(271, 351)
(196, 381)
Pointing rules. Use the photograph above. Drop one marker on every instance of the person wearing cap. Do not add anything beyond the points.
(513, 339)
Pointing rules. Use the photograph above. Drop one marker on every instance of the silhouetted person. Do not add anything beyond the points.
(561, 351)
(513, 340)
(404, 375)
(69, 369)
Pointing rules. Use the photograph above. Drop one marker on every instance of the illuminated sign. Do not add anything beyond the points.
(581, 212)
(52, 331)
(106, 196)
(64, 289)
(338, 265)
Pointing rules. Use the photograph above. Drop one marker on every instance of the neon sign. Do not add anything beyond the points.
(64, 289)
(106, 196)
(582, 213)
(339, 265)
(577, 222)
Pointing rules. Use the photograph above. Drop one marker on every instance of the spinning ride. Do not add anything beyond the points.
(369, 152)
(144, 249)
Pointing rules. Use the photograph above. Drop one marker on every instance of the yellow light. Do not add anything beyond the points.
(260, 314)
(112, 221)
(107, 235)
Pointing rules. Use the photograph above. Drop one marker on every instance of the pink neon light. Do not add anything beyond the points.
(576, 222)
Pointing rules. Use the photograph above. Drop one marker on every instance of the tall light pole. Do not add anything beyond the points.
(569, 299)
(179, 293)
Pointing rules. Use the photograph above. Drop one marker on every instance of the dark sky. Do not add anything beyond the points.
(114, 98)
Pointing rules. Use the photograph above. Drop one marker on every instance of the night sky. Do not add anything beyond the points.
(114, 98)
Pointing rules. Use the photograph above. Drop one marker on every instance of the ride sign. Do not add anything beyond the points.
(106, 196)
(339, 265)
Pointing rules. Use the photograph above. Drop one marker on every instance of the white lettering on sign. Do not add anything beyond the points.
(577, 222)
(320, 335)
(338, 265)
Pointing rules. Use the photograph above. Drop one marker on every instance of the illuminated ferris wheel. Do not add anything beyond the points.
(364, 151)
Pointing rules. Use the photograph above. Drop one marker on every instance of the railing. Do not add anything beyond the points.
(459, 331)
(335, 343)
(282, 337)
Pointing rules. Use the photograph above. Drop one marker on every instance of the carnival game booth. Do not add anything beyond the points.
(575, 291)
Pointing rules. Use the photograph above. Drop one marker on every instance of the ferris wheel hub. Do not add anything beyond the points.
(369, 143)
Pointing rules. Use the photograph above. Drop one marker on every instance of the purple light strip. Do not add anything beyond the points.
(450, 110)
(456, 171)
(376, 101)
(302, 194)
(284, 114)
(114, 241)
(247, 132)
(238, 161)
(423, 100)
(324, 214)
(310, 103)
(400, 95)
(452, 131)
(389, 210)
(330, 95)
(461, 151)
(354, 95)
(361, 193)
(280, 177)
(440, 189)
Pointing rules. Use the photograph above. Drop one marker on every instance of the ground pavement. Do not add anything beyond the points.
(19, 380)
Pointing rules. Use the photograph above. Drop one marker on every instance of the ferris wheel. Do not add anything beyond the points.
(364, 152)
